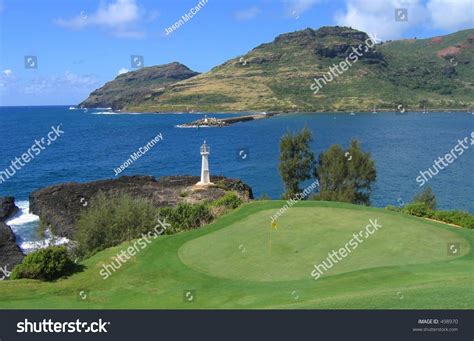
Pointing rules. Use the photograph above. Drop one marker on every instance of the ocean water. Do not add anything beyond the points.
(96, 142)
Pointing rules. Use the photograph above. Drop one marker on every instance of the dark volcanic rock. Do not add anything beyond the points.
(7, 208)
(137, 86)
(10, 253)
(59, 206)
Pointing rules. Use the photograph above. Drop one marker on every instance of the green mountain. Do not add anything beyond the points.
(279, 76)
(145, 84)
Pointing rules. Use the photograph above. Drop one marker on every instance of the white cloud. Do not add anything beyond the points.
(119, 17)
(122, 71)
(7, 79)
(68, 81)
(247, 14)
(295, 8)
(450, 14)
(378, 17)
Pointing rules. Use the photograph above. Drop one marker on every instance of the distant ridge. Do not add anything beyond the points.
(413, 73)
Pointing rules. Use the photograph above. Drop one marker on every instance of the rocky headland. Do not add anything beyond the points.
(59, 206)
(10, 252)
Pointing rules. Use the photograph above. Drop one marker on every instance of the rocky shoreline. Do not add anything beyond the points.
(7, 208)
(10, 252)
(59, 206)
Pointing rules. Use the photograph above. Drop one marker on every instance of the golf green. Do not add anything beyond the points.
(241, 262)
(251, 249)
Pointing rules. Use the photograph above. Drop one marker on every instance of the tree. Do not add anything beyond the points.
(296, 160)
(345, 175)
(426, 197)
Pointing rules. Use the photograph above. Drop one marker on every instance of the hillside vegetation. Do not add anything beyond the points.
(137, 86)
(437, 73)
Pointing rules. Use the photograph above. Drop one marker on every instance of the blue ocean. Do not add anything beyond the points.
(95, 142)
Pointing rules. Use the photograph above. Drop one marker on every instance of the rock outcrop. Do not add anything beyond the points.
(7, 208)
(10, 252)
(59, 206)
(137, 86)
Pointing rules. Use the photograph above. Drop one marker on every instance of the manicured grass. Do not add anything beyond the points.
(230, 264)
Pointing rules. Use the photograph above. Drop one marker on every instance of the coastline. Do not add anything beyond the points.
(274, 113)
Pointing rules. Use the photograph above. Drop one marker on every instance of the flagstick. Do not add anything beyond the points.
(270, 240)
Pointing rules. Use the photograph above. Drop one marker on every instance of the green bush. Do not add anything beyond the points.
(416, 209)
(45, 264)
(229, 200)
(111, 221)
(460, 218)
(186, 216)
(393, 208)
(421, 209)
(264, 196)
(427, 197)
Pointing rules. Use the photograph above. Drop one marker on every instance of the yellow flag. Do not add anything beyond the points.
(274, 224)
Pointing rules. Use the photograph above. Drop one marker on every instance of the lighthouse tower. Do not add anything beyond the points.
(205, 176)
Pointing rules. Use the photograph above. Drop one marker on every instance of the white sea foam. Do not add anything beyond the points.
(24, 225)
(105, 113)
(182, 126)
(23, 216)
(50, 240)
(115, 113)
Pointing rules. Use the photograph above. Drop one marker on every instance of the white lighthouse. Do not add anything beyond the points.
(205, 176)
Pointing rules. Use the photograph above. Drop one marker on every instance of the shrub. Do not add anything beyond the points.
(393, 208)
(296, 160)
(427, 197)
(421, 209)
(460, 218)
(416, 209)
(344, 180)
(111, 221)
(264, 196)
(229, 200)
(186, 216)
(45, 264)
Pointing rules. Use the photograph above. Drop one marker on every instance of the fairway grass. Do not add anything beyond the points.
(240, 262)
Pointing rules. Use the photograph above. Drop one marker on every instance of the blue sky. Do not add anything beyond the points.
(79, 45)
